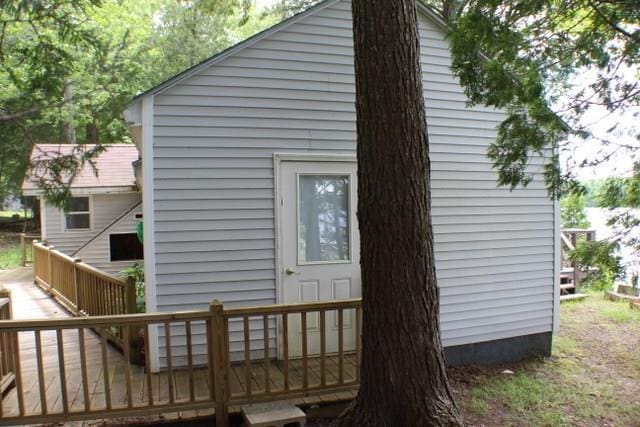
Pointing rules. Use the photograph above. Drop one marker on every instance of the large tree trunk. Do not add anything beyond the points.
(404, 380)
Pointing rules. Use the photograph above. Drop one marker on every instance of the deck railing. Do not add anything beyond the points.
(81, 377)
(8, 346)
(81, 288)
(569, 238)
(26, 248)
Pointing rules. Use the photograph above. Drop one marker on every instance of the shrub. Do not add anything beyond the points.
(136, 272)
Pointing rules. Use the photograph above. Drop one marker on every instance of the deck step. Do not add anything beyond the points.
(274, 414)
(567, 286)
(572, 297)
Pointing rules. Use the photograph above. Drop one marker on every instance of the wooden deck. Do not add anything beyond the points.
(30, 302)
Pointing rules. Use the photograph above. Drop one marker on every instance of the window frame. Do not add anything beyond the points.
(89, 212)
(109, 248)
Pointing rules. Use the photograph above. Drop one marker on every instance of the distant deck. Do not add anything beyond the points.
(30, 302)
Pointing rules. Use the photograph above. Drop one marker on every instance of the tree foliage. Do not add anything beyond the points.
(69, 67)
(599, 258)
(572, 211)
(524, 55)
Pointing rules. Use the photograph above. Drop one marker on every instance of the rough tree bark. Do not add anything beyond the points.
(404, 380)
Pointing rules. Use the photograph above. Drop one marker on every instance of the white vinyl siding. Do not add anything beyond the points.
(215, 134)
(104, 209)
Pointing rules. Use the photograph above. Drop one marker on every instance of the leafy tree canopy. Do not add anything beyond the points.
(572, 55)
(69, 67)
(572, 212)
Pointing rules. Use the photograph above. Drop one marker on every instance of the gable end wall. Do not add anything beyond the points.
(213, 181)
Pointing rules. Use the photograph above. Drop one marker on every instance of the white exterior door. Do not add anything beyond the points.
(320, 247)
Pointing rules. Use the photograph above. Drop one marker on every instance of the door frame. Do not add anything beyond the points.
(278, 160)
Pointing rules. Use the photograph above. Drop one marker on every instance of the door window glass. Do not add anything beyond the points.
(323, 218)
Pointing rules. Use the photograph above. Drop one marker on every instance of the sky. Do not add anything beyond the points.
(264, 3)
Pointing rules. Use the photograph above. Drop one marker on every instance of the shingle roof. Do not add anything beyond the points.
(114, 168)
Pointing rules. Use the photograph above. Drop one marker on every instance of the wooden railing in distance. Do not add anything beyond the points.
(26, 248)
(8, 347)
(209, 359)
(81, 288)
(569, 238)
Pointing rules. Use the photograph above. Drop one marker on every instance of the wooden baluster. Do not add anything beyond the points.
(170, 377)
(192, 391)
(341, 346)
(210, 361)
(126, 330)
(23, 250)
(247, 355)
(15, 358)
(83, 369)
(41, 380)
(77, 286)
(49, 268)
(227, 359)
(305, 361)
(105, 368)
(267, 361)
(285, 349)
(147, 364)
(63, 372)
(323, 349)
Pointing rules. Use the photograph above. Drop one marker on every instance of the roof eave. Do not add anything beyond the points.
(84, 191)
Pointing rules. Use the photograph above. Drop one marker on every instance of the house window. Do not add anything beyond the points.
(125, 247)
(79, 215)
(323, 218)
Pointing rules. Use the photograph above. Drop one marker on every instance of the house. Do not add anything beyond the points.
(250, 194)
(100, 226)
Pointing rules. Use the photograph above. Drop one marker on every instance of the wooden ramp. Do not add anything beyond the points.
(30, 302)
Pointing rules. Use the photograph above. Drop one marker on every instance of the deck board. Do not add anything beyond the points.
(31, 302)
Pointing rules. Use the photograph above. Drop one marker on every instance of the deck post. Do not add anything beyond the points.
(12, 358)
(133, 330)
(23, 250)
(49, 269)
(76, 285)
(130, 296)
(574, 264)
(217, 336)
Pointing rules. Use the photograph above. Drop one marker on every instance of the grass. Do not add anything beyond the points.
(12, 214)
(592, 378)
(620, 313)
(9, 251)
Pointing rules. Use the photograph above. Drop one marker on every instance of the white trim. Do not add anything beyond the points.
(85, 191)
(557, 265)
(43, 219)
(148, 227)
(63, 216)
(314, 157)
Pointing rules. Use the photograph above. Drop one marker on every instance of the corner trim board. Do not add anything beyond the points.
(148, 226)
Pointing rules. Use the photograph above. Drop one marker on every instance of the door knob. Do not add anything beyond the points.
(290, 271)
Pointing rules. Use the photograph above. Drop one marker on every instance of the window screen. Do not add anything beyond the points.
(78, 217)
(125, 247)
